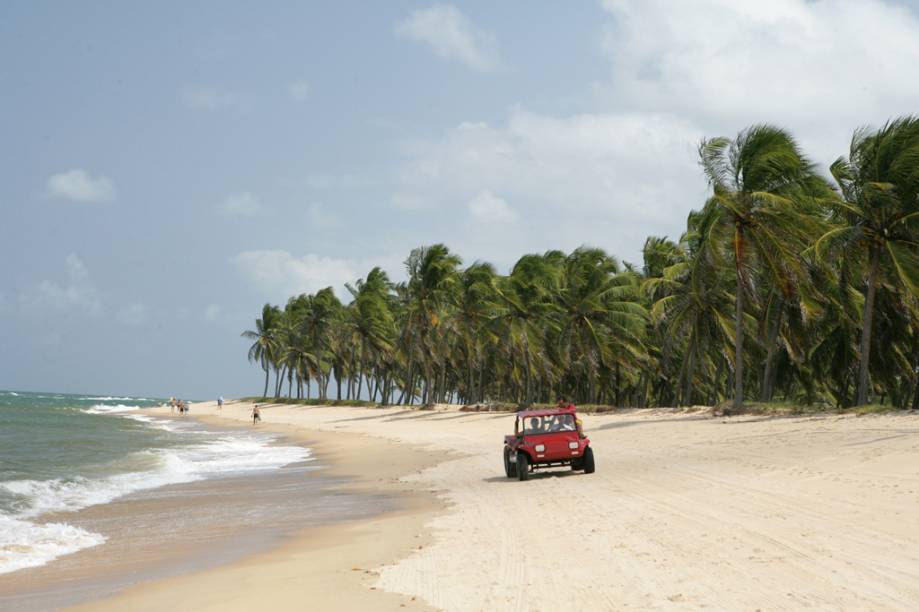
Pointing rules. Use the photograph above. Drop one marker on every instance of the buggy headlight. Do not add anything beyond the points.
(573, 445)
(540, 448)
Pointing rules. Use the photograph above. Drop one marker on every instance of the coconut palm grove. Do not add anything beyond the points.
(791, 283)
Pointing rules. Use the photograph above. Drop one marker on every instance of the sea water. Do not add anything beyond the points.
(60, 453)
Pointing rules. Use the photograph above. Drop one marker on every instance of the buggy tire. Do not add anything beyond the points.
(523, 466)
(510, 470)
(589, 460)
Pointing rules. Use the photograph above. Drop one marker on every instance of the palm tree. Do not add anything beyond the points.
(372, 321)
(476, 307)
(776, 267)
(263, 337)
(692, 303)
(761, 183)
(429, 292)
(878, 217)
(320, 320)
(528, 300)
(601, 320)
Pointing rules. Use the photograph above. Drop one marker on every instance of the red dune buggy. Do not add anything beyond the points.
(546, 438)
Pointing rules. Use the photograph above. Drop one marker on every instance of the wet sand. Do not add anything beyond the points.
(329, 567)
(186, 528)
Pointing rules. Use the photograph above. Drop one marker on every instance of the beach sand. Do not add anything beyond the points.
(685, 511)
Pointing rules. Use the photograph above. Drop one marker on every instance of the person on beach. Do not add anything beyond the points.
(256, 415)
(535, 425)
(172, 404)
(220, 403)
(562, 423)
(578, 423)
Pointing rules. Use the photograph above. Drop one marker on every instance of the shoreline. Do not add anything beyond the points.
(342, 554)
(683, 510)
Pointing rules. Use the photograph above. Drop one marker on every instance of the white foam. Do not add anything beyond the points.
(109, 398)
(106, 409)
(224, 456)
(29, 544)
(140, 417)
(26, 544)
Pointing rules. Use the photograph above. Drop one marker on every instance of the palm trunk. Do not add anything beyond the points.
(265, 392)
(360, 371)
(325, 387)
(768, 383)
(526, 378)
(717, 382)
(864, 353)
(408, 380)
(686, 400)
(738, 320)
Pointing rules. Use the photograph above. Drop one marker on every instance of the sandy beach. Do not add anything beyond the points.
(685, 511)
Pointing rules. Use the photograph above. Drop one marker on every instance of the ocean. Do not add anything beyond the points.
(62, 453)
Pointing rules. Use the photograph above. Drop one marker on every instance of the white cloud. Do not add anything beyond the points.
(241, 205)
(490, 210)
(629, 169)
(133, 314)
(590, 178)
(212, 312)
(451, 35)
(212, 99)
(79, 186)
(320, 217)
(409, 201)
(299, 90)
(326, 181)
(77, 294)
(820, 68)
(279, 274)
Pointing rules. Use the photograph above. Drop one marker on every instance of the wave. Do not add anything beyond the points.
(225, 456)
(109, 398)
(106, 409)
(25, 544)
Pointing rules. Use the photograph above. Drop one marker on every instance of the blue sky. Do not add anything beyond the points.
(168, 168)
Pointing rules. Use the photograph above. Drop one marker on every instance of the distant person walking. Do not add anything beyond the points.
(256, 415)
(220, 403)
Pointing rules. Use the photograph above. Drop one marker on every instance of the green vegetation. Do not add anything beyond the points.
(303, 401)
(785, 287)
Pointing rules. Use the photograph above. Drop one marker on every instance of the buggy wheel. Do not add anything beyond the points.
(523, 466)
(510, 470)
(588, 460)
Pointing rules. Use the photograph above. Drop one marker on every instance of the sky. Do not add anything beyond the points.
(167, 168)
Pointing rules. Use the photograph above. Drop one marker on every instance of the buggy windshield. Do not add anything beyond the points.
(548, 424)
